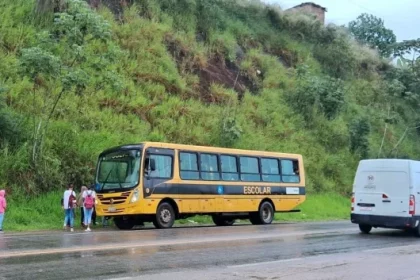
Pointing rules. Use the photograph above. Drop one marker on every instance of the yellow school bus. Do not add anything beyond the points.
(162, 182)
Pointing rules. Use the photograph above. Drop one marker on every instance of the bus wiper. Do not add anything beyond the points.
(119, 183)
(106, 179)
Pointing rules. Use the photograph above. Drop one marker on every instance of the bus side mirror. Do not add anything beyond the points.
(152, 164)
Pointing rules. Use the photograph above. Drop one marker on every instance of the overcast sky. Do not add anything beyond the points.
(402, 16)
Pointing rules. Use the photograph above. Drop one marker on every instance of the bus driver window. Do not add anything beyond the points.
(149, 167)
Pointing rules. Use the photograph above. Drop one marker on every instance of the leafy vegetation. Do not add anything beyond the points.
(370, 30)
(76, 80)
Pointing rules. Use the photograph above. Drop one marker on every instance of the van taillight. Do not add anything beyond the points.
(352, 202)
(412, 209)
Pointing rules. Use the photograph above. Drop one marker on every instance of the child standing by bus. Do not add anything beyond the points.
(68, 204)
(3, 205)
(88, 205)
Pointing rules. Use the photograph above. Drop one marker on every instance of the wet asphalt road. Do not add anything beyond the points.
(114, 254)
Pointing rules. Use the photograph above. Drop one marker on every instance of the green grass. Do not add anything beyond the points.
(40, 213)
(320, 207)
(45, 213)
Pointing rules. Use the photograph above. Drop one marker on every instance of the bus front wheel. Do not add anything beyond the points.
(221, 221)
(165, 216)
(264, 216)
(124, 223)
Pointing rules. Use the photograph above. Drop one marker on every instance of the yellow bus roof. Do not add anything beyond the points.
(211, 149)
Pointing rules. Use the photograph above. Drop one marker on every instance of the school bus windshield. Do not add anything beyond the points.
(118, 170)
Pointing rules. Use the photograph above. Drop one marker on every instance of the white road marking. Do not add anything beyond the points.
(387, 248)
(263, 263)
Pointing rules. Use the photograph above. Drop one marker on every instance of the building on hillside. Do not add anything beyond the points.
(311, 9)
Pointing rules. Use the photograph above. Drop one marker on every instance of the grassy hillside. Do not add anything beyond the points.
(221, 72)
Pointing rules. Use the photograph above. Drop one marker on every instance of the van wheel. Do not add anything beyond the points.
(417, 231)
(365, 228)
(165, 216)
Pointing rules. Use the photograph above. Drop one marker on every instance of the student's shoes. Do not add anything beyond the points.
(71, 229)
(88, 229)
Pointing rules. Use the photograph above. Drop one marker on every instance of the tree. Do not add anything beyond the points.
(371, 30)
(407, 47)
(54, 71)
(10, 128)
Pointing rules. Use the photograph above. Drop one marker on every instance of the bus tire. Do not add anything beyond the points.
(220, 221)
(165, 216)
(124, 223)
(264, 216)
(365, 228)
(253, 218)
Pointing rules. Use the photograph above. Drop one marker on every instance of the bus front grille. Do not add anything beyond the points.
(114, 199)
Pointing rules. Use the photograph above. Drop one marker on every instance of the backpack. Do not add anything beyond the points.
(72, 198)
(89, 201)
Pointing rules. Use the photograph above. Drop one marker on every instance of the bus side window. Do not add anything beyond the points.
(163, 166)
(270, 170)
(249, 169)
(209, 167)
(189, 166)
(290, 171)
(229, 168)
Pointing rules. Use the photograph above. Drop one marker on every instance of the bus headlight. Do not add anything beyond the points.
(135, 196)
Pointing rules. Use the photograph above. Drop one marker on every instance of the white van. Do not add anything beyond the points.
(386, 194)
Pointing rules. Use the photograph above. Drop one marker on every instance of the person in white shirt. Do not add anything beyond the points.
(89, 197)
(69, 202)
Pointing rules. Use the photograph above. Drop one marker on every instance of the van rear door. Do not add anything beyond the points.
(383, 192)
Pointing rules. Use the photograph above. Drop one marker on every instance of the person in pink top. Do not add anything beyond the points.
(3, 205)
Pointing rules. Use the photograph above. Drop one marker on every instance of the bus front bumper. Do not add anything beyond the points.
(116, 210)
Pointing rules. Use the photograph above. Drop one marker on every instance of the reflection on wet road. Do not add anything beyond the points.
(116, 254)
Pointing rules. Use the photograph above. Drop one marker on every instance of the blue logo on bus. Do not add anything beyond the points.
(220, 189)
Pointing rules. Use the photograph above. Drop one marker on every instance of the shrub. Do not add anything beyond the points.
(359, 130)
(318, 94)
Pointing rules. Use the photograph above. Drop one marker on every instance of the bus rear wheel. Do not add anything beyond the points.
(165, 216)
(124, 223)
(264, 216)
(221, 221)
